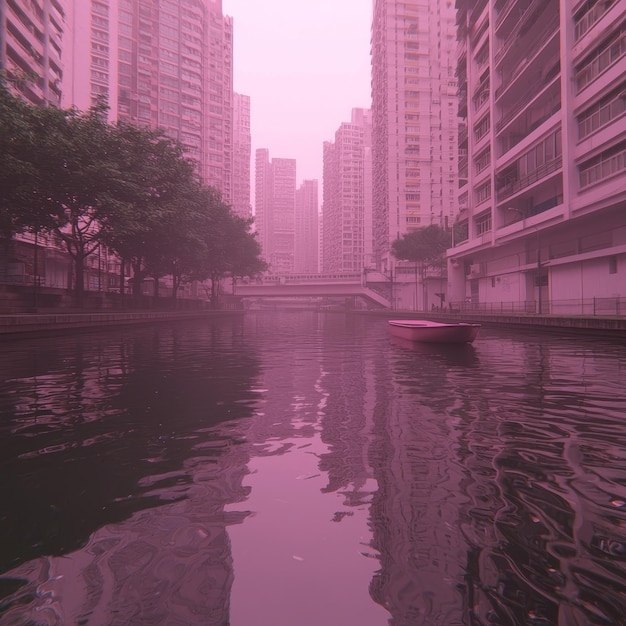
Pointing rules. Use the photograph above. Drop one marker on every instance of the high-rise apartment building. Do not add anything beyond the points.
(347, 205)
(263, 199)
(543, 159)
(306, 229)
(282, 256)
(159, 63)
(242, 147)
(31, 49)
(275, 197)
(415, 124)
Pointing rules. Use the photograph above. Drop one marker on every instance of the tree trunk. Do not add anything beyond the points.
(137, 277)
(214, 292)
(175, 285)
(79, 285)
(122, 285)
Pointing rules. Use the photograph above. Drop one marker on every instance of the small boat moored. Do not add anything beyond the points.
(426, 331)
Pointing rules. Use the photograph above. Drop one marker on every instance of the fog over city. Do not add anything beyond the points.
(305, 65)
(313, 312)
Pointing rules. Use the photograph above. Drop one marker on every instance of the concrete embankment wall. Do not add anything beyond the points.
(57, 322)
(16, 324)
(611, 326)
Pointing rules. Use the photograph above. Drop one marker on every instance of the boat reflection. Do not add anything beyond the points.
(455, 354)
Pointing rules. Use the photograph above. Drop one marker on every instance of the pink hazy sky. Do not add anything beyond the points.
(305, 64)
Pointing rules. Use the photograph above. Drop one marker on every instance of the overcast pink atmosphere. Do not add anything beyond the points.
(305, 64)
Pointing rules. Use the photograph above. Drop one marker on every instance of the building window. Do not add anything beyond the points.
(483, 192)
(604, 165)
(612, 265)
(602, 112)
(483, 160)
(591, 12)
(603, 57)
(99, 8)
(483, 223)
(482, 128)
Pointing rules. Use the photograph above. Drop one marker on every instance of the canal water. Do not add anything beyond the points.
(303, 468)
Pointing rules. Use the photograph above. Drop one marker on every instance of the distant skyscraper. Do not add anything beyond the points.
(347, 207)
(263, 215)
(241, 155)
(306, 250)
(415, 126)
(275, 197)
(160, 64)
(31, 46)
(284, 201)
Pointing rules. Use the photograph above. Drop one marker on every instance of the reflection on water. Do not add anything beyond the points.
(304, 468)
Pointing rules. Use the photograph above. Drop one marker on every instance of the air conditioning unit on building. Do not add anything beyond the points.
(475, 270)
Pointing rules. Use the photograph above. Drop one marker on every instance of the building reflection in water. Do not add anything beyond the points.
(129, 452)
(492, 476)
(304, 556)
(501, 493)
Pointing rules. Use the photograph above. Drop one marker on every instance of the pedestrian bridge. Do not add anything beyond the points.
(314, 285)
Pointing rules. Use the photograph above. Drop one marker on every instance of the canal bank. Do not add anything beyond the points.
(15, 324)
(606, 326)
(12, 325)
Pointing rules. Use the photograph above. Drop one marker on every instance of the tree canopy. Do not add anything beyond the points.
(90, 183)
(424, 246)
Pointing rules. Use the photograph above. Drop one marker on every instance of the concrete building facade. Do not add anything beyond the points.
(242, 153)
(542, 224)
(306, 228)
(31, 49)
(347, 196)
(414, 117)
(282, 256)
(275, 204)
(159, 64)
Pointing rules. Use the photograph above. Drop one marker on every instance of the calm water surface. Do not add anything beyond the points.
(288, 469)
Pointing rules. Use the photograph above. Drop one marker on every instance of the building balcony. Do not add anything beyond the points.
(505, 12)
(511, 188)
(541, 52)
(608, 164)
(584, 21)
(606, 56)
(548, 91)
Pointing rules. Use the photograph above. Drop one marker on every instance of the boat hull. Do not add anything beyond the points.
(425, 331)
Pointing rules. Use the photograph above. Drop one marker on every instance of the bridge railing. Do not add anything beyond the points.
(290, 279)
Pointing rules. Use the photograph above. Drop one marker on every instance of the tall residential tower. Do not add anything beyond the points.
(347, 207)
(275, 204)
(160, 64)
(415, 124)
(306, 229)
(31, 49)
(242, 152)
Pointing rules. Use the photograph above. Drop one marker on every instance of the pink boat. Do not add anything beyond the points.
(426, 331)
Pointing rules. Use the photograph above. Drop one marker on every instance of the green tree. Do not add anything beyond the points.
(86, 187)
(230, 249)
(163, 189)
(424, 246)
(27, 144)
(61, 175)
